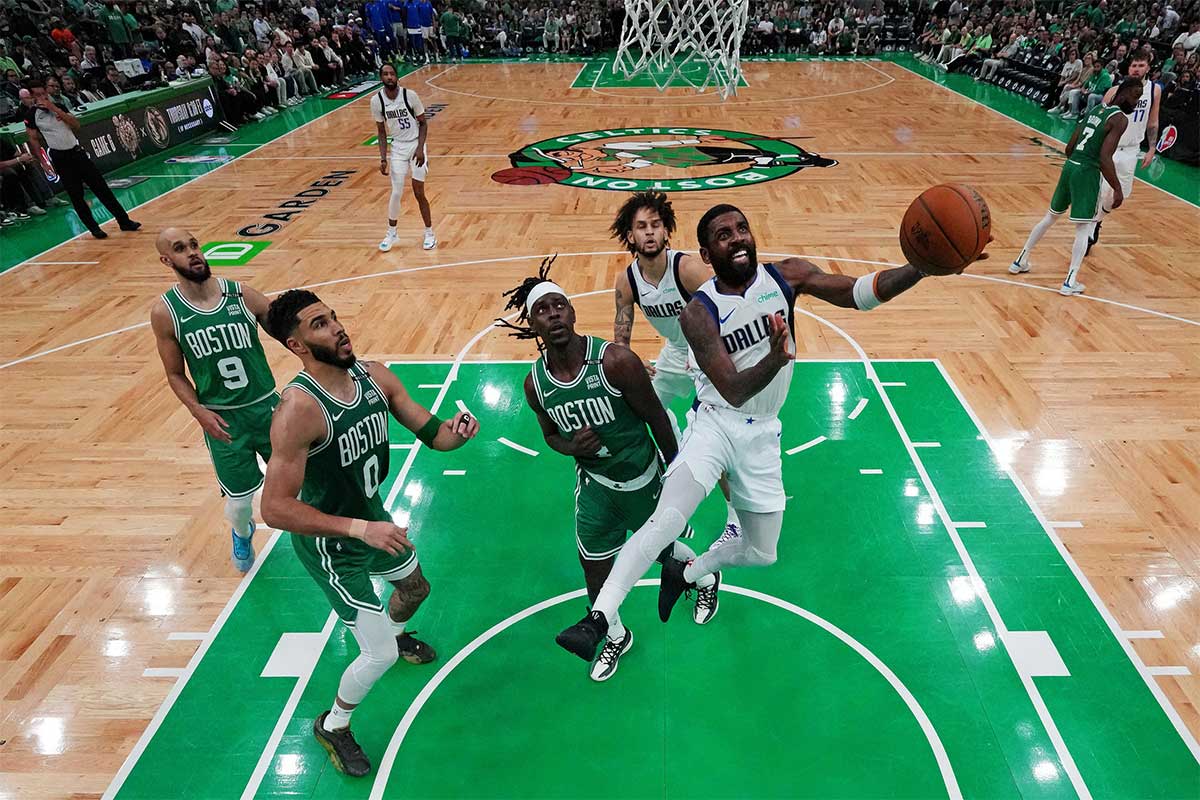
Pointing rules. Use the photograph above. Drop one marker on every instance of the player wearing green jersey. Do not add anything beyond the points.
(210, 326)
(594, 402)
(1089, 165)
(330, 454)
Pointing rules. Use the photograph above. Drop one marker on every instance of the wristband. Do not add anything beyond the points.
(358, 528)
(864, 292)
(429, 431)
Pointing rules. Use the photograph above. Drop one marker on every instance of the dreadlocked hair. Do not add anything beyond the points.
(622, 226)
(516, 300)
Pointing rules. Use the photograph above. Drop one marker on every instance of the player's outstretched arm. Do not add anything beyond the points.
(704, 337)
(171, 356)
(584, 443)
(623, 369)
(435, 433)
(1114, 130)
(842, 290)
(295, 426)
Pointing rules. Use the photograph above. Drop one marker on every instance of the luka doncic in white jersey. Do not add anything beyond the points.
(662, 304)
(744, 321)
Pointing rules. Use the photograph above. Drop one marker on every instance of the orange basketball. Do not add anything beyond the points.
(945, 229)
(531, 176)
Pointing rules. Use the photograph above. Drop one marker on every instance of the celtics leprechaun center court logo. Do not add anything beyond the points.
(662, 159)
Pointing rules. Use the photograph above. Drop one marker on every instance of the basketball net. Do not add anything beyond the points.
(694, 42)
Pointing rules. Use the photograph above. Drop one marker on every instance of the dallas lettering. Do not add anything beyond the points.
(290, 208)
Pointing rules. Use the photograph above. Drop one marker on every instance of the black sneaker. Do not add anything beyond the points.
(413, 650)
(605, 666)
(671, 584)
(129, 225)
(1095, 237)
(344, 752)
(707, 601)
(98, 233)
(584, 636)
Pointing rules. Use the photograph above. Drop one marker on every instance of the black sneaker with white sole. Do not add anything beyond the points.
(584, 636)
(344, 752)
(707, 601)
(605, 666)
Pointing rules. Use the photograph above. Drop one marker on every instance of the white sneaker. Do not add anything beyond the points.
(390, 239)
(1016, 268)
(605, 666)
(1068, 289)
(430, 241)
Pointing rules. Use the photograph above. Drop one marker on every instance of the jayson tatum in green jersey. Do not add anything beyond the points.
(210, 326)
(329, 457)
(594, 402)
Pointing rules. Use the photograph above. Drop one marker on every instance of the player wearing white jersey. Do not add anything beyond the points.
(400, 117)
(1143, 125)
(661, 282)
(739, 330)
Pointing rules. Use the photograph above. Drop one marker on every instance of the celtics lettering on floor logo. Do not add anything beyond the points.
(662, 159)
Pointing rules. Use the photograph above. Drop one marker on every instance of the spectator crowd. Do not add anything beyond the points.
(268, 55)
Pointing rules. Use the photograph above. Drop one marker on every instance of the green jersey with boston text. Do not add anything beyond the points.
(221, 349)
(590, 400)
(347, 466)
(1091, 136)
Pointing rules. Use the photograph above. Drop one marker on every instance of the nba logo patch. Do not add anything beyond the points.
(593, 382)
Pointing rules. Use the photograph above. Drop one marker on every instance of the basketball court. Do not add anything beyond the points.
(987, 582)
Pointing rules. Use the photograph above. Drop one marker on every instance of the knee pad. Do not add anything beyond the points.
(667, 524)
(240, 511)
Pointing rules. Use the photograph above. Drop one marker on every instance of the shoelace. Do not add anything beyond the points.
(610, 652)
(705, 597)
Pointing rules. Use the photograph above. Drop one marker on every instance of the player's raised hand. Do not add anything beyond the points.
(463, 425)
(213, 424)
(779, 338)
(387, 537)
(586, 441)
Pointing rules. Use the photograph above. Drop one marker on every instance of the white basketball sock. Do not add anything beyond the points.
(337, 718)
(1083, 231)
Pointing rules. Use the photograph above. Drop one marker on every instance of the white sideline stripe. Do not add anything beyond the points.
(517, 447)
(58, 263)
(1035, 697)
(1029, 127)
(1143, 634)
(1165, 671)
(891, 384)
(148, 734)
(926, 444)
(429, 386)
(463, 407)
(969, 524)
(408, 446)
(164, 672)
(1184, 733)
(870, 472)
(1034, 654)
(187, 636)
(1069, 524)
(506, 259)
(289, 708)
(858, 409)
(805, 446)
(454, 472)
(295, 655)
(931, 736)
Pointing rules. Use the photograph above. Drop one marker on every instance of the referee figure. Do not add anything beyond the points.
(56, 127)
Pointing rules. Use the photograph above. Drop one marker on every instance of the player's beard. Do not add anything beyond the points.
(328, 355)
(194, 274)
(651, 250)
(732, 273)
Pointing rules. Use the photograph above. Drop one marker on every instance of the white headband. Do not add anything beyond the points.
(541, 290)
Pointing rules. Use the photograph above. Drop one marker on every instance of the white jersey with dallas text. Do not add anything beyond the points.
(745, 328)
(662, 304)
(1138, 118)
(398, 114)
